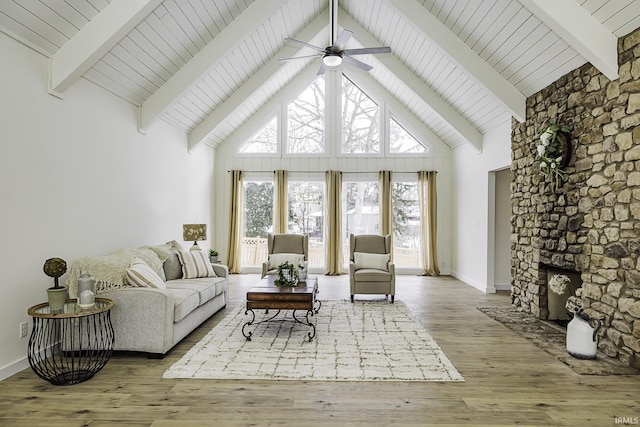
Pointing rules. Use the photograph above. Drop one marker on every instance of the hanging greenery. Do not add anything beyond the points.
(553, 152)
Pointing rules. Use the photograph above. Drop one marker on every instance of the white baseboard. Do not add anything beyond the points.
(502, 286)
(14, 368)
(472, 282)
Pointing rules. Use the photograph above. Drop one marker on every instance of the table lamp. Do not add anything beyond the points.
(194, 232)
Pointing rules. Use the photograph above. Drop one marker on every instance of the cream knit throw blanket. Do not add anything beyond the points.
(110, 271)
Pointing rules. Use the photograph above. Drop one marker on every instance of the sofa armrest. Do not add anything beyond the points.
(142, 319)
(221, 270)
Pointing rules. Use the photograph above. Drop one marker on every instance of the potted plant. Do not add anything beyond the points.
(56, 267)
(213, 255)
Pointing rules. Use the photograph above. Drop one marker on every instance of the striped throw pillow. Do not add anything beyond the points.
(141, 274)
(195, 264)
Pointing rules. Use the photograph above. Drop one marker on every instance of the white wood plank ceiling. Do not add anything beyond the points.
(208, 66)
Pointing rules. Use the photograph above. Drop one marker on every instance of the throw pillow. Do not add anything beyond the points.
(373, 261)
(195, 264)
(276, 259)
(141, 274)
(172, 267)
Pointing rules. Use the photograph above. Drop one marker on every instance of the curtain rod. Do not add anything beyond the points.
(272, 171)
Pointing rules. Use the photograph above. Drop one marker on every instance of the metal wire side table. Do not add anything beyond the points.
(71, 345)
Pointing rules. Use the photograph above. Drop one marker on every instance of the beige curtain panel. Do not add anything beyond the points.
(280, 215)
(427, 200)
(235, 221)
(334, 222)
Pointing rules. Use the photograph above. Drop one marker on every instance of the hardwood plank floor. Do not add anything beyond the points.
(508, 381)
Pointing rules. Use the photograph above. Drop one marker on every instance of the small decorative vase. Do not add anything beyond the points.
(213, 258)
(86, 282)
(86, 299)
(57, 298)
(582, 339)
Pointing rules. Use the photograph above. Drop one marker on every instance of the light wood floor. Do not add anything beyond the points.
(508, 381)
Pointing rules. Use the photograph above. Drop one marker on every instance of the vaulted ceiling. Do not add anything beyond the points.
(459, 66)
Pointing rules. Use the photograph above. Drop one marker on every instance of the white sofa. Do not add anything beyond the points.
(147, 319)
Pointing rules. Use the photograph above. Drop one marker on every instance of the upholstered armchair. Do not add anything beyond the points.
(284, 247)
(370, 268)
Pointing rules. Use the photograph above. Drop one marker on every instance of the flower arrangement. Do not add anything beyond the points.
(287, 275)
(574, 303)
(550, 153)
(558, 283)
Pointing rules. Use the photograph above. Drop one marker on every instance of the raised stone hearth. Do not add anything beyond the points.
(591, 223)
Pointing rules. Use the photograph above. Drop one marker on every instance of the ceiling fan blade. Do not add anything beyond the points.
(342, 39)
(367, 50)
(322, 70)
(299, 43)
(356, 63)
(298, 57)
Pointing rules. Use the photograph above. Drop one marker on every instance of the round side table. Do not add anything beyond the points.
(71, 345)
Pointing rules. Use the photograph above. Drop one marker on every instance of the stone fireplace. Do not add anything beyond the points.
(591, 223)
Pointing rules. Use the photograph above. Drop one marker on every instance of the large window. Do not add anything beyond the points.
(258, 221)
(305, 121)
(360, 211)
(402, 142)
(265, 141)
(306, 215)
(360, 121)
(406, 224)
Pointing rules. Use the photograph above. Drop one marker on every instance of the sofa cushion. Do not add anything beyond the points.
(372, 261)
(141, 274)
(184, 302)
(206, 287)
(371, 275)
(195, 264)
(172, 267)
(276, 259)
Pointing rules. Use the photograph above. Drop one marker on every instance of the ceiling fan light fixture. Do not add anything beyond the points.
(332, 60)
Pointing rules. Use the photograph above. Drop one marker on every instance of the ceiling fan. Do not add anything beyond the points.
(334, 54)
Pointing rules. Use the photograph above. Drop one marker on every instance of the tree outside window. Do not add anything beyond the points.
(258, 221)
(360, 121)
(306, 215)
(406, 224)
(305, 121)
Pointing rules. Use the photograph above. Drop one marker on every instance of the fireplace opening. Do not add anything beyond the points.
(561, 284)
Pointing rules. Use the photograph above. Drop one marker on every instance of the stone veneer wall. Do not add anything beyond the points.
(590, 224)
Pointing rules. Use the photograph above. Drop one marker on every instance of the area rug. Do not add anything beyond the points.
(362, 341)
(552, 338)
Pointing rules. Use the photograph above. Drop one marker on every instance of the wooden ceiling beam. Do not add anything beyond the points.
(207, 58)
(477, 68)
(580, 30)
(94, 40)
(439, 106)
(255, 82)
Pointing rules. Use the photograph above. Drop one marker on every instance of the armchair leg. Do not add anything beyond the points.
(351, 298)
(392, 298)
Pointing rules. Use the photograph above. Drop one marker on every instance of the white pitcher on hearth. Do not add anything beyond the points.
(582, 338)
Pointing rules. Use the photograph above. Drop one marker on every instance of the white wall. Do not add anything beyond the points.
(76, 179)
(471, 208)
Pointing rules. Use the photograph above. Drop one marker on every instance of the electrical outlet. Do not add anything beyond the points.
(23, 329)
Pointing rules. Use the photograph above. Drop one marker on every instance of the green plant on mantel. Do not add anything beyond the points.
(553, 151)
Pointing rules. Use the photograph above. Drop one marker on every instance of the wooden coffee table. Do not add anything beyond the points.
(265, 295)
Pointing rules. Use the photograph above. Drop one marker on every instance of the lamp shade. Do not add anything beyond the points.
(332, 60)
(194, 232)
